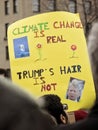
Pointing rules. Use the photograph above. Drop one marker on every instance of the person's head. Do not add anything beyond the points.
(22, 47)
(74, 91)
(19, 111)
(2, 72)
(54, 107)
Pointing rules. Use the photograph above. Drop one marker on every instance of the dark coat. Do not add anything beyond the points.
(18, 111)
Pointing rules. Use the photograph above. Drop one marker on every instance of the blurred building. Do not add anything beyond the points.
(13, 10)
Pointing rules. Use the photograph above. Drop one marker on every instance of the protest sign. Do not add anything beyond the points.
(48, 54)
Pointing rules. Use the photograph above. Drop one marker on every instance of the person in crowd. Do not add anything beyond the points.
(2, 72)
(19, 111)
(90, 122)
(53, 105)
(74, 90)
(80, 114)
(5, 73)
(93, 53)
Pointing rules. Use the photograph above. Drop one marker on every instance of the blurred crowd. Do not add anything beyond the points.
(21, 111)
